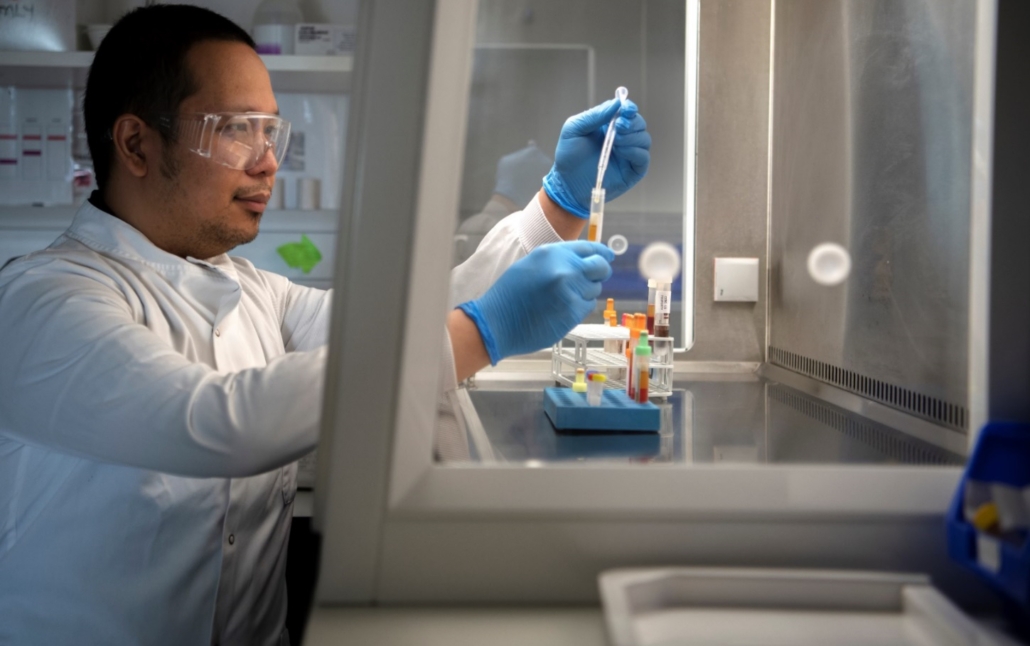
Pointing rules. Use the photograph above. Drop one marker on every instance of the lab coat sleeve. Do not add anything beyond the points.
(81, 376)
(512, 238)
(306, 315)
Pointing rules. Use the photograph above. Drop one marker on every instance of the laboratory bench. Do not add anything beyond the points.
(710, 418)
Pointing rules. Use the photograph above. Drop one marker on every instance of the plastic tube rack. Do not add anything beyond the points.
(583, 347)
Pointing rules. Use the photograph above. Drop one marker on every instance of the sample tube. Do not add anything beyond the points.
(596, 215)
(595, 389)
(641, 369)
(627, 322)
(640, 321)
(651, 284)
(580, 384)
(610, 345)
(662, 308)
(634, 336)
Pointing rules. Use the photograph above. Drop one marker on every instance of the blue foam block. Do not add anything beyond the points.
(569, 411)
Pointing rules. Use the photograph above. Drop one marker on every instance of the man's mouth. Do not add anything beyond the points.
(254, 202)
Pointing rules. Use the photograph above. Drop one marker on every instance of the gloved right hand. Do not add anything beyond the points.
(540, 298)
(574, 174)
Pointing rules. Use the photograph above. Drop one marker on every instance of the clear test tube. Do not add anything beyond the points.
(651, 284)
(662, 308)
(641, 369)
(634, 337)
(596, 215)
(595, 389)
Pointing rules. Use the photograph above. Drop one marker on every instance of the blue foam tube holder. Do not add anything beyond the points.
(569, 411)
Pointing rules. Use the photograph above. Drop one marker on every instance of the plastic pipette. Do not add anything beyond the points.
(597, 195)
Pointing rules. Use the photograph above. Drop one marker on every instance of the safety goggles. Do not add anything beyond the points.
(239, 140)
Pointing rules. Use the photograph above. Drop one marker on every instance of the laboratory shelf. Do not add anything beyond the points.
(46, 59)
(59, 217)
(289, 73)
(324, 64)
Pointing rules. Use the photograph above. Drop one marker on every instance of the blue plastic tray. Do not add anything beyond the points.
(569, 411)
(1002, 455)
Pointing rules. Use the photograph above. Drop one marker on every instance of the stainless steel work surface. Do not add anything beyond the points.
(708, 419)
(562, 626)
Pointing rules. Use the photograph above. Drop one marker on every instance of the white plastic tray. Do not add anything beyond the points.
(751, 607)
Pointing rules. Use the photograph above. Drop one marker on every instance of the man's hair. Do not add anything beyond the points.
(140, 68)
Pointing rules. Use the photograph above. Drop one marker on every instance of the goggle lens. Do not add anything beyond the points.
(242, 141)
(237, 140)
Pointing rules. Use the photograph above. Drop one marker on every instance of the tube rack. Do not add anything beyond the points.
(583, 347)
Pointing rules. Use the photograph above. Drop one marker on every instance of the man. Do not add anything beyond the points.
(155, 392)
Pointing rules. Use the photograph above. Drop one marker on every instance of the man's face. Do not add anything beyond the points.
(215, 207)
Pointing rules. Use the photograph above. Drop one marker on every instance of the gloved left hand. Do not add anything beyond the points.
(540, 298)
(574, 174)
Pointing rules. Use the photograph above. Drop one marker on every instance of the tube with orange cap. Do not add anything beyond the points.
(610, 345)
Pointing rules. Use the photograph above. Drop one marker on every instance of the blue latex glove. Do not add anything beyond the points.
(540, 298)
(574, 174)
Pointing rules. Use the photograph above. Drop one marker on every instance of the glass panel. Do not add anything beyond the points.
(869, 106)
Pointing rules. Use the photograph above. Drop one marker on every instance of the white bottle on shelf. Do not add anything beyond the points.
(274, 24)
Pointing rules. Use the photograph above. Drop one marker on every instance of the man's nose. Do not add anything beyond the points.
(266, 163)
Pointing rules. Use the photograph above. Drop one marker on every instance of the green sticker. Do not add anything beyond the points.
(303, 255)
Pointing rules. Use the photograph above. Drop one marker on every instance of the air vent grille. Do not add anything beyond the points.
(931, 408)
(886, 440)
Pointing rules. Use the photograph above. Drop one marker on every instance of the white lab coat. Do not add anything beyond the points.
(150, 411)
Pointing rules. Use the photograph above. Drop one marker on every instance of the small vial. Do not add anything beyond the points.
(595, 389)
(609, 312)
(641, 369)
(580, 384)
(651, 284)
(662, 308)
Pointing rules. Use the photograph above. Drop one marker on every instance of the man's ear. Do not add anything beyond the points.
(129, 133)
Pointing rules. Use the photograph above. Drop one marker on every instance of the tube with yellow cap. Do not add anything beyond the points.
(580, 384)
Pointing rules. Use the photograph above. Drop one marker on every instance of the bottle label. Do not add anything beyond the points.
(662, 307)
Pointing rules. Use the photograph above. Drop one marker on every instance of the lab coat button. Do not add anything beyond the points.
(232, 538)
(218, 332)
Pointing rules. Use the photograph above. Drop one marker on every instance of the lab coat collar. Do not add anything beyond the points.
(103, 232)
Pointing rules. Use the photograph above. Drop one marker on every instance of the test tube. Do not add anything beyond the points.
(580, 384)
(596, 215)
(662, 308)
(595, 389)
(641, 369)
(610, 345)
(627, 322)
(651, 284)
(634, 336)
